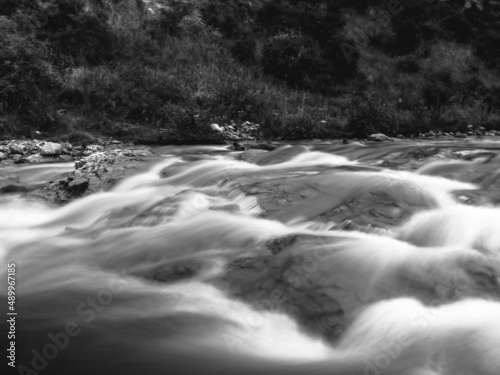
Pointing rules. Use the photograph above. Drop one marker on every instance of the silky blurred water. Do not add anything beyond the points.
(388, 256)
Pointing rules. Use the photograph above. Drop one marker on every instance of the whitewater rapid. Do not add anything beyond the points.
(318, 259)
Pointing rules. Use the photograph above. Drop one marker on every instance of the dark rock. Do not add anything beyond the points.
(279, 244)
(349, 225)
(231, 137)
(79, 185)
(176, 272)
(80, 163)
(18, 159)
(262, 146)
(238, 146)
(12, 189)
(250, 263)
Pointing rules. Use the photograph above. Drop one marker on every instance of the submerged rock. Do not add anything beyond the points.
(379, 137)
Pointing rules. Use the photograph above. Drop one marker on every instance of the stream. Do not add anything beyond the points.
(315, 258)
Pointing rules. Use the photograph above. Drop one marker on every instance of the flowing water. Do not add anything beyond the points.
(316, 259)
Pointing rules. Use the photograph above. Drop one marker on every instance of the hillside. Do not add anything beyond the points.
(162, 71)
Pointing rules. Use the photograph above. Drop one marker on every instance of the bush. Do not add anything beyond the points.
(297, 127)
(79, 35)
(458, 27)
(407, 65)
(240, 100)
(82, 138)
(229, 17)
(168, 22)
(439, 89)
(341, 67)
(23, 73)
(244, 49)
(407, 37)
(295, 60)
(370, 115)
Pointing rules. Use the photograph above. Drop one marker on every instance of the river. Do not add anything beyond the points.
(315, 258)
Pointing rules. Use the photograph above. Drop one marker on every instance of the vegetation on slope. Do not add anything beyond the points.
(161, 71)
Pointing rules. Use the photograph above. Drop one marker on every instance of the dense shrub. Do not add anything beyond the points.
(407, 65)
(240, 100)
(341, 67)
(458, 26)
(488, 48)
(370, 115)
(408, 36)
(72, 32)
(230, 17)
(295, 60)
(296, 127)
(244, 49)
(438, 90)
(23, 73)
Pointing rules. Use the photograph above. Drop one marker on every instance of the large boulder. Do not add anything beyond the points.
(51, 149)
(19, 149)
(216, 128)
